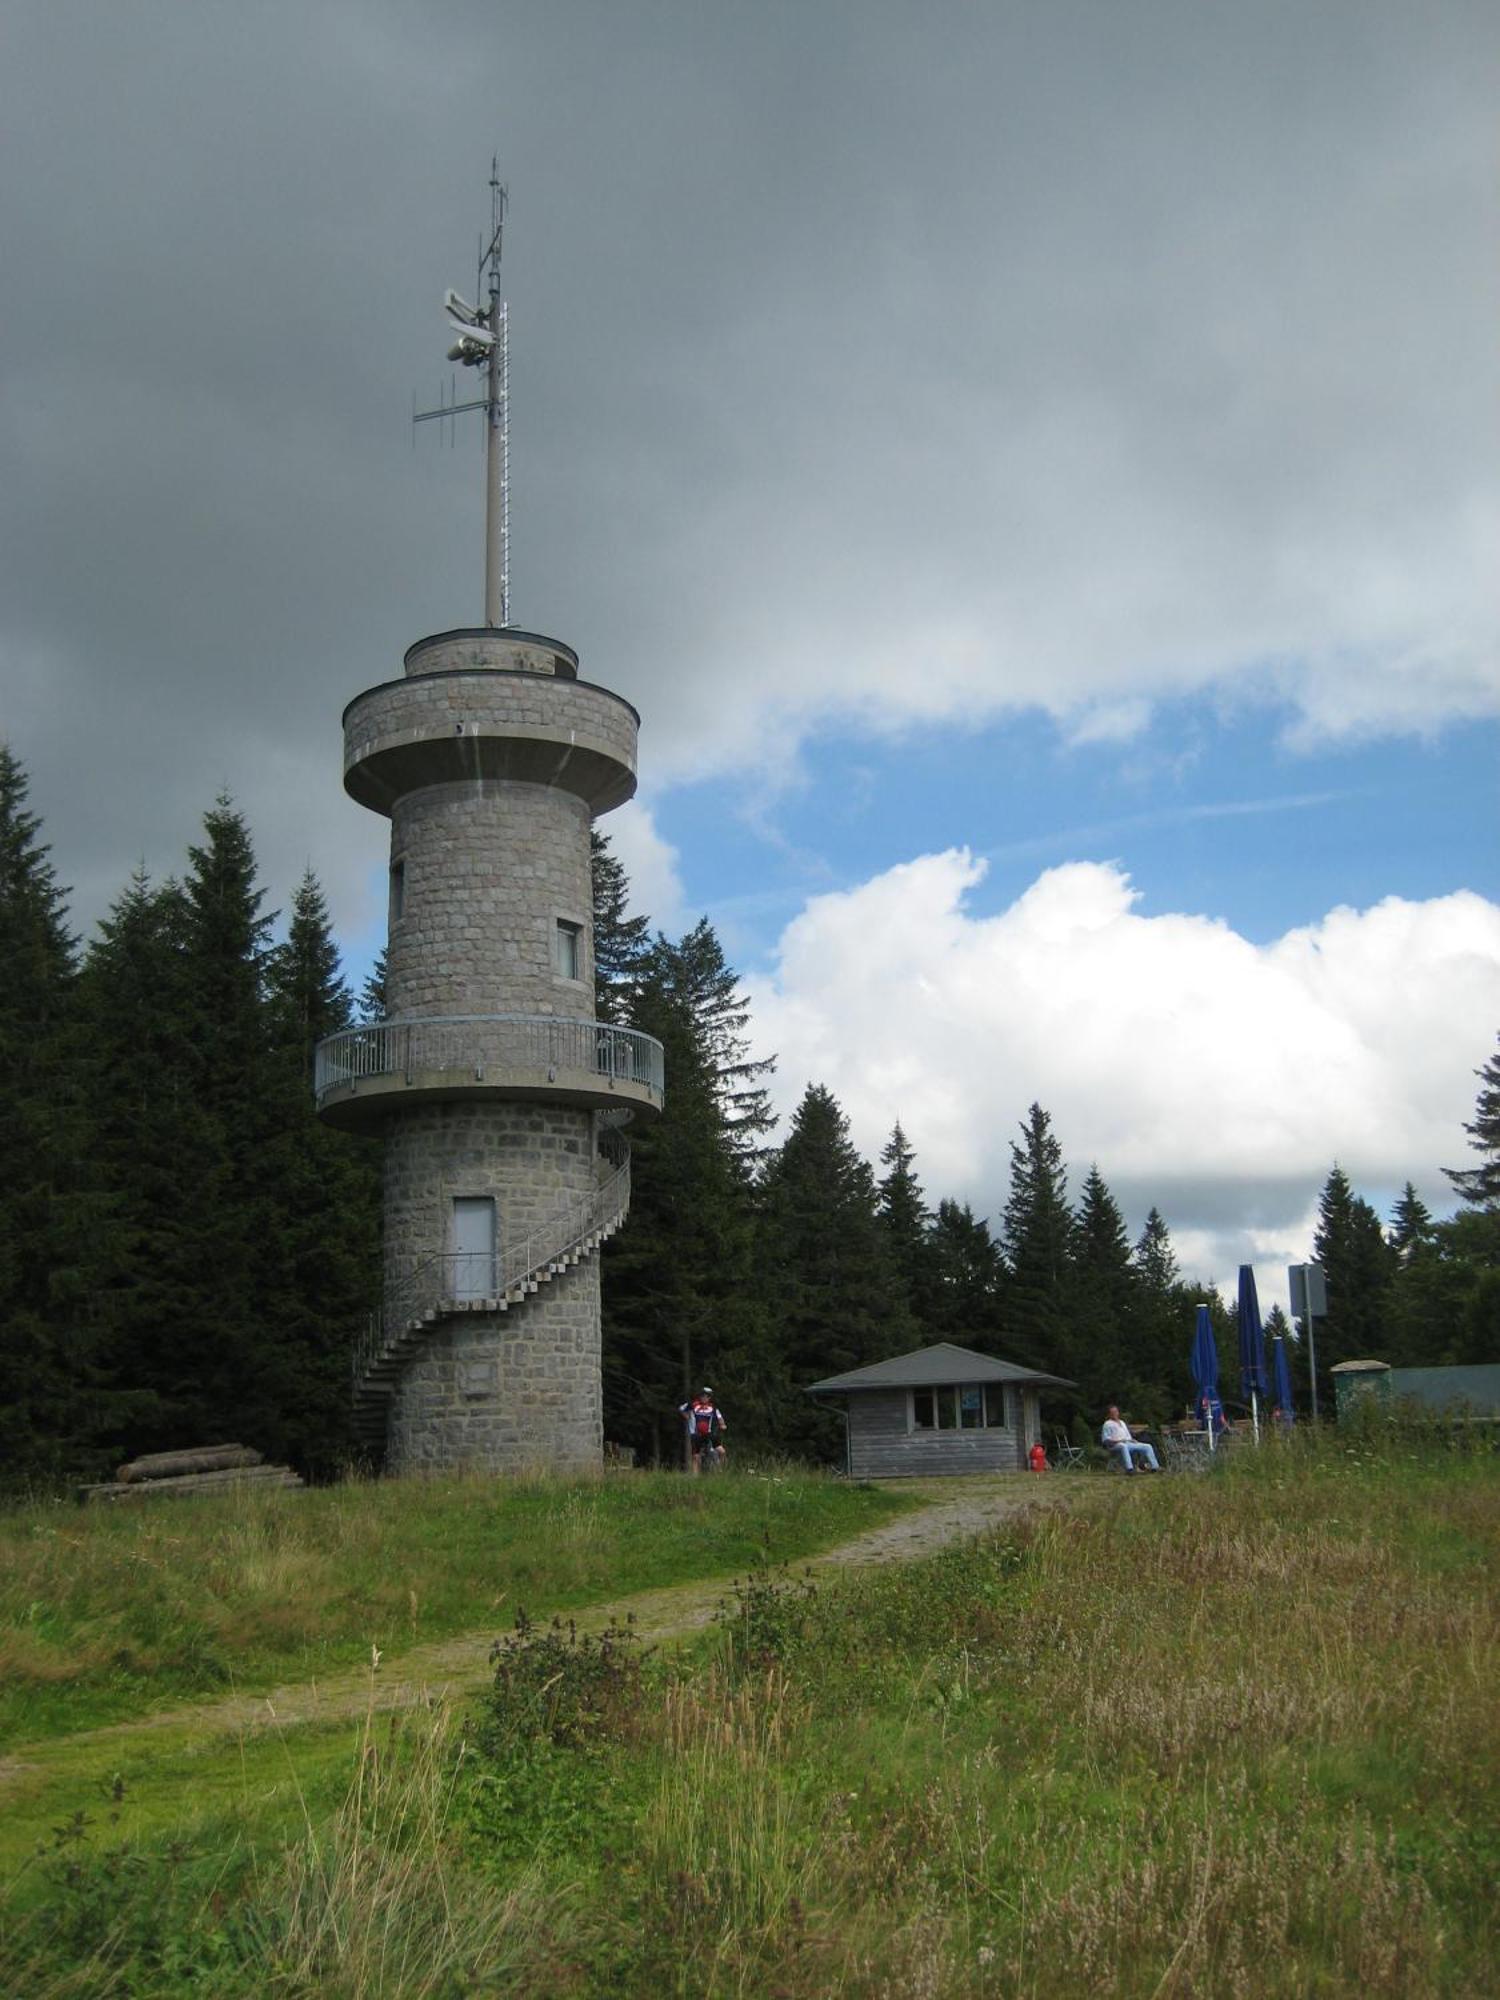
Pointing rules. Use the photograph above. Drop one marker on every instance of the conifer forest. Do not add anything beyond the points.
(186, 1253)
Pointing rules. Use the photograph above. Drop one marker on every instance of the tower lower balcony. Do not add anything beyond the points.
(364, 1074)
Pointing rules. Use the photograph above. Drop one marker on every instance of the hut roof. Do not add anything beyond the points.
(927, 1367)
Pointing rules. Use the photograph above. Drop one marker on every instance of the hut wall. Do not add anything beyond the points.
(882, 1446)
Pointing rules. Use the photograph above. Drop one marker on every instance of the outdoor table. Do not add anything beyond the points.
(1186, 1445)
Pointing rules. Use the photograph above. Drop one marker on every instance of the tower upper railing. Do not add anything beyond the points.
(358, 1072)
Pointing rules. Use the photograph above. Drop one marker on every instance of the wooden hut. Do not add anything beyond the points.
(937, 1410)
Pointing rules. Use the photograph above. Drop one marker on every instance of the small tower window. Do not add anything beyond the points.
(569, 950)
(398, 890)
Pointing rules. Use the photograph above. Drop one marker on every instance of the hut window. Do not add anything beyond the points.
(969, 1406)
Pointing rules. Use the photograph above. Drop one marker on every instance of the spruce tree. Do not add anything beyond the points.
(320, 1278)
(1166, 1315)
(47, 1365)
(1472, 1240)
(965, 1303)
(834, 1295)
(1037, 1236)
(1424, 1305)
(308, 998)
(153, 1151)
(1443, 1307)
(372, 1000)
(695, 972)
(679, 1306)
(1358, 1267)
(1107, 1358)
(239, 1363)
(1480, 1185)
(1411, 1231)
(621, 942)
(906, 1221)
(1155, 1258)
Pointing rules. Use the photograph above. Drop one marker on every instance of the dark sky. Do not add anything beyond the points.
(869, 359)
(877, 368)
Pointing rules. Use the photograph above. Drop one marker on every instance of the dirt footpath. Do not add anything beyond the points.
(955, 1509)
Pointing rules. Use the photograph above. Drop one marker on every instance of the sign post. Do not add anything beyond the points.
(1309, 1303)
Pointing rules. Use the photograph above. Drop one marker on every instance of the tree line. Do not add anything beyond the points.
(761, 1267)
(186, 1252)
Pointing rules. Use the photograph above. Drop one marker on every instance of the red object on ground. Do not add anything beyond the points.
(1038, 1457)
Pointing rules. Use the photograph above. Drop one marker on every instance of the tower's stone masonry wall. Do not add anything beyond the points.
(489, 758)
(487, 871)
(452, 705)
(503, 650)
(508, 1391)
(533, 1158)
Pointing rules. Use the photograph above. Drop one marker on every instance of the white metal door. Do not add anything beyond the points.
(473, 1247)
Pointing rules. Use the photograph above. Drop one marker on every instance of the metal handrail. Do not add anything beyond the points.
(429, 1285)
(476, 1043)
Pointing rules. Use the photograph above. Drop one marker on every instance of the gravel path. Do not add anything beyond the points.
(954, 1510)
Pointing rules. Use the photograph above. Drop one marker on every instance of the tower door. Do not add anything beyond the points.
(473, 1247)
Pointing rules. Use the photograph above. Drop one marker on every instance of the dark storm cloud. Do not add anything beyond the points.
(1073, 352)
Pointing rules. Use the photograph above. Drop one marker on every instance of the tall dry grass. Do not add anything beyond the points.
(1228, 1738)
(1220, 1738)
(374, 1900)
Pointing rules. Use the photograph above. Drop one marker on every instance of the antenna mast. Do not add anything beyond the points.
(484, 342)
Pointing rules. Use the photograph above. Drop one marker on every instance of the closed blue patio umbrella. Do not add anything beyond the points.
(1204, 1362)
(1252, 1348)
(1282, 1375)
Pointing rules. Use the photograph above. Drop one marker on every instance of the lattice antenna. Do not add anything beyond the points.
(484, 342)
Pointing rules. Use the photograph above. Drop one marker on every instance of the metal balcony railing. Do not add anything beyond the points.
(478, 1045)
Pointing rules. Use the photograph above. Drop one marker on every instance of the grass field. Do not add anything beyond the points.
(1232, 1735)
(107, 1610)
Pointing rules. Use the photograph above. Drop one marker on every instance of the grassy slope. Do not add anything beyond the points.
(1230, 1736)
(105, 1613)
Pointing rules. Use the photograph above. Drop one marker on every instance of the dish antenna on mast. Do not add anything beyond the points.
(482, 341)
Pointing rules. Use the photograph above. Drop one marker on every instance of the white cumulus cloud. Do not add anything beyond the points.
(1213, 1076)
(650, 864)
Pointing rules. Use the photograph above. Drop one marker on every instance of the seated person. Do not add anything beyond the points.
(1115, 1436)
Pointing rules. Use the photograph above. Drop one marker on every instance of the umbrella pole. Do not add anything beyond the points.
(1254, 1417)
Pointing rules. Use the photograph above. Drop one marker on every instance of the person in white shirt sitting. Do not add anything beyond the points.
(1115, 1436)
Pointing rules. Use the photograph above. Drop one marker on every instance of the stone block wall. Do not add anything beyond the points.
(507, 1392)
(486, 872)
(504, 650)
(534, 1158)
(435, 727)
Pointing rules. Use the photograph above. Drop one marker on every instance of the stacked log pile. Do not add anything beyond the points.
(207, 1468)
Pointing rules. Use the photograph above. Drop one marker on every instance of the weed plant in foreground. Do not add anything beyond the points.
(106, 1611)
(1219, 1736)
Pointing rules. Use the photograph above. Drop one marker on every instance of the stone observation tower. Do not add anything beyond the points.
(501, 1098)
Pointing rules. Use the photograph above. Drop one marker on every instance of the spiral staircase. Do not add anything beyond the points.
(430, 1295)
